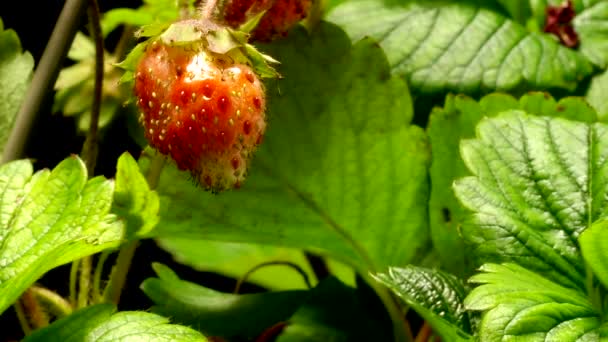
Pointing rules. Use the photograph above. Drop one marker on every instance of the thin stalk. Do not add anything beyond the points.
(124, 42)
(36, 315)
(97, 295)
(56, 304)
(90, 148)
(118, 277)
(425, 333)
(296, 267)
(73, 280)
(207, 9)
(22, 317)
(401, 328)
(44, 77)
(84, 283)
(315, 15)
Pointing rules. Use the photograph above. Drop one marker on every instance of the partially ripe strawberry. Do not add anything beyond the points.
(280, 16)
(201, 108)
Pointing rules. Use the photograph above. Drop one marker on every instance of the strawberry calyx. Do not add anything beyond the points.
(198, 33)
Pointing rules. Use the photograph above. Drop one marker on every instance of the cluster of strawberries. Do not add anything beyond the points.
(206, 109)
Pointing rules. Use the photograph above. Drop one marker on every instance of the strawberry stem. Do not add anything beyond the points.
(22, 317)
(207, 9)
(36, 315)
(44, 77)
(84, 283)
(90, 148)
(97, 295)
(56, 304)
(118, 277)
(296, 267)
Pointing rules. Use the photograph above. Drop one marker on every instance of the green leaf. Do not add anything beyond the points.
(594, 246)
(48, 219)
(235, 259)
(596, 95)
(340, 171)
(537, 183)
(15, 74)
(82, 49)
(437, 296)
(152, 12)
(457, 121)
(521, 305)
(215, 313)
(131, 60)
(100, 323)
(335, 312)
(134, 202)
(591, 24)
(462, 47)
(126, 16)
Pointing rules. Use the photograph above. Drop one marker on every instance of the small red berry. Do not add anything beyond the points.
(280, 16)
(195, 106)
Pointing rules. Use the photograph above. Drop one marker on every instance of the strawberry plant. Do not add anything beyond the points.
(304, 170)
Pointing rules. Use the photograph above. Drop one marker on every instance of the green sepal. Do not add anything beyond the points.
(219, 39)
(252, 23)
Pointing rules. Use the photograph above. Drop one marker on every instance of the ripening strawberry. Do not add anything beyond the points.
(280, 16)
(202, 109)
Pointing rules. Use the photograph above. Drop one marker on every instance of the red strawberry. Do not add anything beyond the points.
(280, 16)
(202, 109)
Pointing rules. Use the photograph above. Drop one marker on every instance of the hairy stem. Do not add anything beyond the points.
(56, 304)
(315, 15)
(44, 77)
(425, 333)
(124, 42)
(207, 9)
(118, 277)
(84, 283)
(90, 148)
(97, 294)
(296, 267)
(35, 314)
(22, 317)
(73, 280)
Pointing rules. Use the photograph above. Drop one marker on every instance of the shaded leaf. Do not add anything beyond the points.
(335, 312)
(538, 183)
(437, 296)
(133, 199)
(235, 259)
(462, 47)
(48, 219)
(216, 313)
(99, 323)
